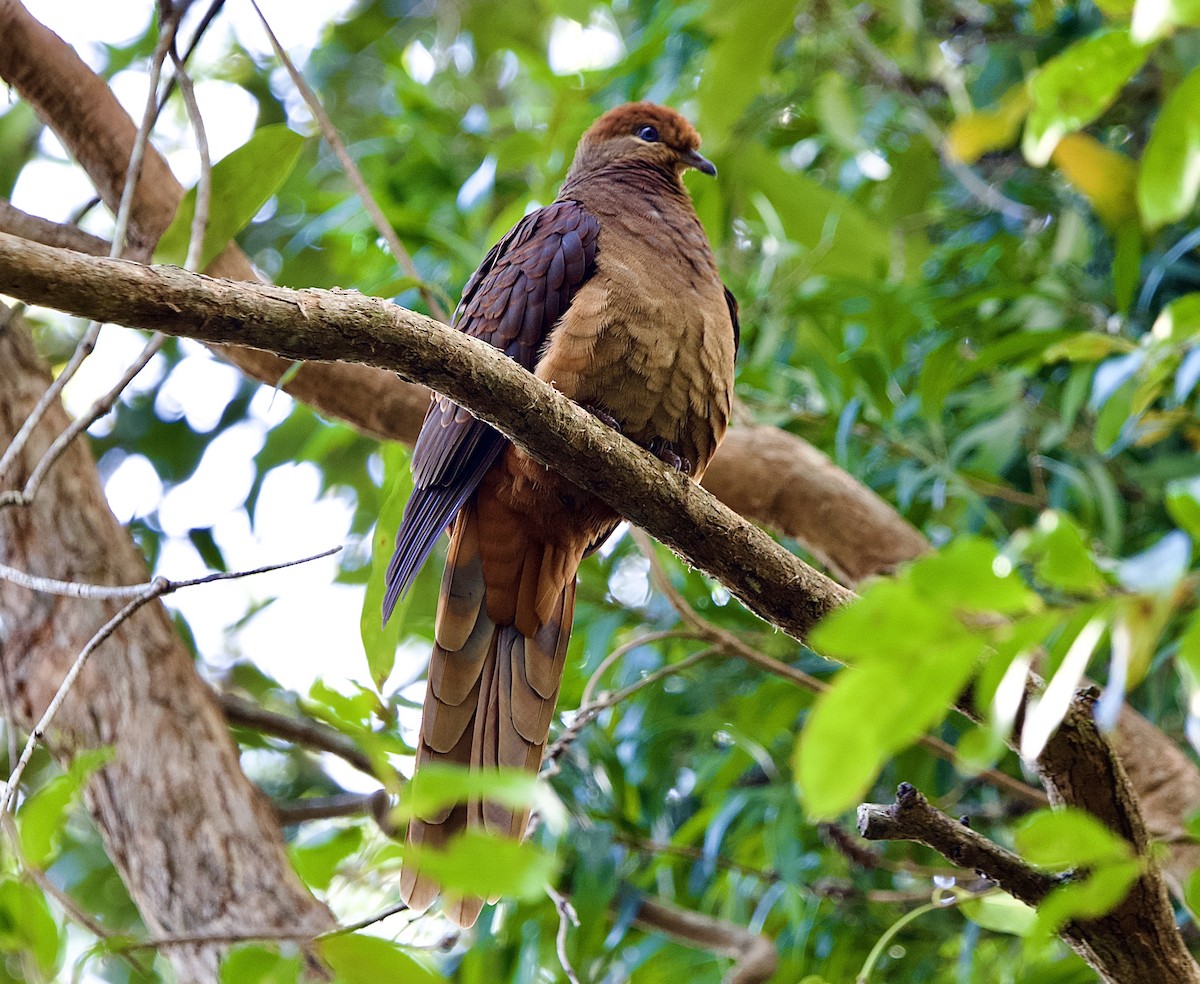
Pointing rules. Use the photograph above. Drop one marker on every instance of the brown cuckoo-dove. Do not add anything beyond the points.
(612, 295)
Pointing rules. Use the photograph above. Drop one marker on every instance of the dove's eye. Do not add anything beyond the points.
(648, 133)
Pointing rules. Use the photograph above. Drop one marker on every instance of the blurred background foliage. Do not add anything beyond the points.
(963, 239)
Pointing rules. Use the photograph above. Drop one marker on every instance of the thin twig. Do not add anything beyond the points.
(98, 409)
(690, 853)
(588, 713)
(566, 917)
(376, 804)
(105, 592)
(39, 730)
(201, 29)
(10, 717)
(268, 936)
(155, 589)
(622, 650)
(204, 185)
(168, 25)
(889, 73)
(333, 138)
(299, 731)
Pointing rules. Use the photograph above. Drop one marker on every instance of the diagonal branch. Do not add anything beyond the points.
(315, 325)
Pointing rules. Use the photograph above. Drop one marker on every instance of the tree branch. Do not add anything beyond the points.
(911, 818)
(331, 325)
(173, 798)
(1137, 941)
(300, 731)
(755, 956)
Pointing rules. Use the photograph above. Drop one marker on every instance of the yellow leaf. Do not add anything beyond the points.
(1104, 177)
(981, 132)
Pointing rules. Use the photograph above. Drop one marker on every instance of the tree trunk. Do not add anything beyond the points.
(194, 841)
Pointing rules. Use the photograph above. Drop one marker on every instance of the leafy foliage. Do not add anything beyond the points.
(1008, 354)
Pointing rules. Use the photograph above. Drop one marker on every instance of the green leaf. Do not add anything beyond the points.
(1001, 913)
(256, 963)
(27, 925)
(839, 236)
(837, 113)
(1107, 178)
(1179, 321)
(1191, 893)
(1075, 87)
(983, 131)
(888, 622)
(317, 861)
(872, 711)
(978, 749)
(1087, 346)
(1069, 838)
(356, 958)
(1113, 416)
(1127, 264)
(743, 46)
(1065, 562)
(1098, 894)
(1154, 19)
(379, 640)
(970, 575)
(1169, 179)
(1188, 657)
(437, 786)
(42, 817)
(486, 865)
(19, 130)
(242, 183)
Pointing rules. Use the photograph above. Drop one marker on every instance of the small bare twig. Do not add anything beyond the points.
(889, 73)
(81, 423)
(333, 138)
(755, 956)
(617, 654)
(8, 796)
(690, 853)
(376, 804)
(105, 592)
(912, 818)
(588, 713)
(566, 917)
(155, 589)
(300, 731)
(204, 185)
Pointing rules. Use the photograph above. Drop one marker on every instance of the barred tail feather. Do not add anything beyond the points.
(488, 704)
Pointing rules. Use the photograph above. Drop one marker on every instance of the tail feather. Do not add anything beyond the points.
(462, 585)
(492, 691)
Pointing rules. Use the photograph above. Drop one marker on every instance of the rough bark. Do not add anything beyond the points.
(328, 325)
(193, 839)
(1136, 942)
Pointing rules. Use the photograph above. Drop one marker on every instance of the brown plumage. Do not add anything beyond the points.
(611, 294)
